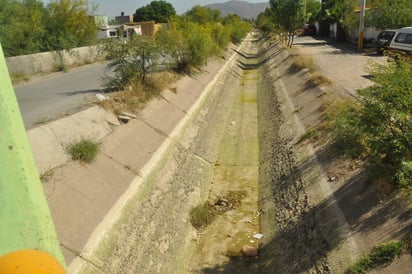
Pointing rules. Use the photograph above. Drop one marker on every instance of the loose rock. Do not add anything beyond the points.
(249, 250)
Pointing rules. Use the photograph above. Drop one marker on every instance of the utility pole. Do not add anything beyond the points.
(361, 24)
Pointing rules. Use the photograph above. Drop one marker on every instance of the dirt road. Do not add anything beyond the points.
(340, 62)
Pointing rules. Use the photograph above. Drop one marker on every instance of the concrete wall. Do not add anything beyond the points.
(48, 61)
(369, 35)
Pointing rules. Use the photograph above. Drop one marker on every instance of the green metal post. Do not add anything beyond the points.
(25, 219)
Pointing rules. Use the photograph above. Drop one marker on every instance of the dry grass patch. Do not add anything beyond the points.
(137, 94)
(18, 77)
(303, 62)
(319, 80)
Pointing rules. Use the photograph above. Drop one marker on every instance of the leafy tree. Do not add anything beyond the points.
(21, 26)
(288, 15)
(130, 61)
(188, 43)
(238, 27)
(265, 21)
(378, 128)
(198, 35)
(174, 45)
(159, 11)
(203, 15)
(340, 12)
(390, 14)
(221, 36)
(68, 25)
(313, 10)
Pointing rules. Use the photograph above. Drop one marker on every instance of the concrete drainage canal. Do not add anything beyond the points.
(225, 191)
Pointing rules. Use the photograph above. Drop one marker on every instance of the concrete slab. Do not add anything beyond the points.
(133, 145)
(47, 150)
(79, 197)
(90, 123)
(161, 115)
(49, 141)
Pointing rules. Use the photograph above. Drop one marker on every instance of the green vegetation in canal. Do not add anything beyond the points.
(379, 256)
(202, 215)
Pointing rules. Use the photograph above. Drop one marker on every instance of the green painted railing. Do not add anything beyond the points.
(25, 219)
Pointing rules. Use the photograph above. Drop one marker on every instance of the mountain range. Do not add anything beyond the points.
(241, 8)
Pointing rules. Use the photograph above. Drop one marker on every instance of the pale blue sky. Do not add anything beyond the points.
(115, 7)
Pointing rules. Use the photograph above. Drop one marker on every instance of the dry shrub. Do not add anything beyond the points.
(137, 94)
(302, 62)
(318, 79)
(164, 79)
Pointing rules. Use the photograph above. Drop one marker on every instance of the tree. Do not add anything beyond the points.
(378, 128)
(203, 15)
(288, 15)
(238, 27)
(265, 20)
(159, 11)
(390, 14)
(198, 35)
(340, 12)
(130, 61)
(313, 10)
(21, 26)
(68, 25)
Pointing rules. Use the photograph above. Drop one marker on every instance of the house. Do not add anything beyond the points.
(108, 31)
(124, 19)
(147, 29)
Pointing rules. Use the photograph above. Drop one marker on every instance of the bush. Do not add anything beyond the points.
(85, 150)
(378, 127)
(379, 256)
(202, 215)
(130, 61)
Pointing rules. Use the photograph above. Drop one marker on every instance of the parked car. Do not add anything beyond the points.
(383, 40)
(309, 29)
(401, 44)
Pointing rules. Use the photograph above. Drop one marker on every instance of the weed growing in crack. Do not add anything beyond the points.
(85, 150)
(46, 176)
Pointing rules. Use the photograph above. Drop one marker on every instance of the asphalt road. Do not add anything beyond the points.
(46, 98)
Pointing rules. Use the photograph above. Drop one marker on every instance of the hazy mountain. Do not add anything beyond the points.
(241, 8)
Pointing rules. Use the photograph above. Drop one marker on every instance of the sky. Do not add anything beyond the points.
(113, 8)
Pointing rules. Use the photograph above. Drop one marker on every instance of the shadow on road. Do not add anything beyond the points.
(85, 92)
(339, 47)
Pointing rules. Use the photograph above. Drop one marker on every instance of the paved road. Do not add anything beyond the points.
(49, 97)
(340, 62)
